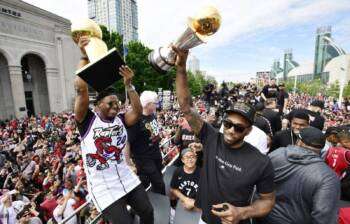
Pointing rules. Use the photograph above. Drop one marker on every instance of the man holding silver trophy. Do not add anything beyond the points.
(232, 168)
(112, 185)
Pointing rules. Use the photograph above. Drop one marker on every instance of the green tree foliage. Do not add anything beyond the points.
(112, 39)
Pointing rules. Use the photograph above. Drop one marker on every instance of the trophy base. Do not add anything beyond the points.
(154, 65)
(102, 73)
(159, 62)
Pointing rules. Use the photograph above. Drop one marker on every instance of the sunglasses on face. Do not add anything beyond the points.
(237, 127)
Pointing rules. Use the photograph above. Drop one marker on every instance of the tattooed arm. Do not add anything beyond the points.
(183, 92)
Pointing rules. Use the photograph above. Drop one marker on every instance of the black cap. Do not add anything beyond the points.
(332, 130)
(246, 110)
(102, 73)
(318, 103)
(312, 137)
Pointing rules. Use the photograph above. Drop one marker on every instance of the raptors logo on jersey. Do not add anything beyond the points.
(105, 150)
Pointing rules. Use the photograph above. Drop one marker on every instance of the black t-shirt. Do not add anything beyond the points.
(144, 138)
(84, 125)
(263, 123)
(186, 183)
(283, 139)
(275, 119)
(270, 91)
(282, 95)
(185, 138)
(229, 175)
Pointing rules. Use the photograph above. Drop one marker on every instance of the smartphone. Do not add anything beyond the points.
(222, 209)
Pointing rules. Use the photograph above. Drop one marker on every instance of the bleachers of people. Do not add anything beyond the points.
(42, 177)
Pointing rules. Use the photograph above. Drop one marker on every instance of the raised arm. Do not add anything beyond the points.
(81, 104)
(132, 116)
(183, 92)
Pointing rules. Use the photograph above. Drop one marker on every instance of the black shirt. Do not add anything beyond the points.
(264, 124)
(229, 175)
(275, 119)
(186, 183)
(282, 95)
(144, 138)
(270, 91)
(283, 139)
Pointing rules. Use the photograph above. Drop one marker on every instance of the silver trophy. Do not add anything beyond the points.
(204, 24)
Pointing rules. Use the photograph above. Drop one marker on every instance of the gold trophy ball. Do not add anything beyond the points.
(206, 22)
(85, 27)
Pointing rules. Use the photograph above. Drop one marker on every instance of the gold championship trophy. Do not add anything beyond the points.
(203, 25)
(102, 70)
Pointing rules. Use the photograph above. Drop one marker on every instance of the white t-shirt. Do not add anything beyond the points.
(7, 215)
(67, 212)
(256, 138)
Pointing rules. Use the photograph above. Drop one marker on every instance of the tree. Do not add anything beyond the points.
(112, 39)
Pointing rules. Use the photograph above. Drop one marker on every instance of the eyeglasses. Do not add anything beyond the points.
(189, 157)
(237, 127)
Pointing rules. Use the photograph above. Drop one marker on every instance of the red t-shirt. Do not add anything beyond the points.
(338, 158)
(48, 206)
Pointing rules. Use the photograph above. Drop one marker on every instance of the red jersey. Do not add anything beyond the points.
(338, 159)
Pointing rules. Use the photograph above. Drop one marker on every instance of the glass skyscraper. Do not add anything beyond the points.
(117, 15)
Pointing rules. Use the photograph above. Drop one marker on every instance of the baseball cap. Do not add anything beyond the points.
(246, 110)
(318, 103)
(312, 137)
(332, 130)
(148, 97)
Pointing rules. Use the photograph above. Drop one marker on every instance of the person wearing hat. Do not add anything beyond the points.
(307, 190)
(185, 181)
(231, 167)
(111, 183)
(144, 138)
(298, 121)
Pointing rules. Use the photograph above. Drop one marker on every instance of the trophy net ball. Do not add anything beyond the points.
(207, 21)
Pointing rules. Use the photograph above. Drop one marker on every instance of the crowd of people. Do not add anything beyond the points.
(243, 153)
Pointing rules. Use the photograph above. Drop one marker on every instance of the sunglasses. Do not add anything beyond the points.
(229, 124)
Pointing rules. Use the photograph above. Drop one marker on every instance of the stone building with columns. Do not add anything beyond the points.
(38, 60)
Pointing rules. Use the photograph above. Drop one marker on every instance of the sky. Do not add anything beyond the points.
(252, 35)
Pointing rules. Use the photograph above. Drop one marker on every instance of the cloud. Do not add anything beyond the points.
(164, 23)
(69, 9)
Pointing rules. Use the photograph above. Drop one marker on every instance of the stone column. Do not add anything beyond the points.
(55, 90)
(62, 71)
(17, 91)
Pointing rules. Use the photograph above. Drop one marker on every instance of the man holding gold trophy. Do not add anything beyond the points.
(112, 184)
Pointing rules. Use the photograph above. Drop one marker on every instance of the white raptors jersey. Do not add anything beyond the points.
(108, 176)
